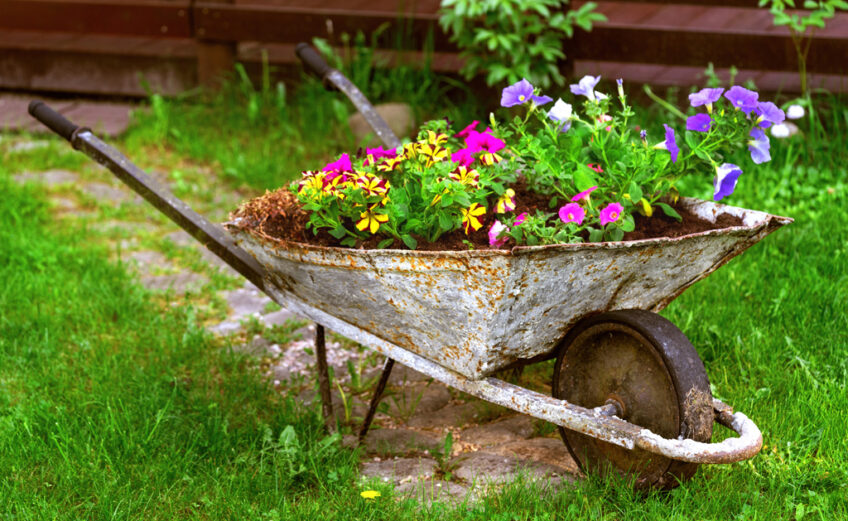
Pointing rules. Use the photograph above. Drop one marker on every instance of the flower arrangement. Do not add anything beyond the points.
(594, 170)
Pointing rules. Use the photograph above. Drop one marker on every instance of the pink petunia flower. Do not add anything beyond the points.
(583, 195)
(463, 157)
(467, 131)
(496, 229)
(520, 218)
(342, 164)
(572, 213)
(611, 213)
(484, 141)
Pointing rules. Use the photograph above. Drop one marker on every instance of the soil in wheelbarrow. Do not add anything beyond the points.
(278, 215)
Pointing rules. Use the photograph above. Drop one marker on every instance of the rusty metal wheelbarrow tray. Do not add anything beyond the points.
(475, 312)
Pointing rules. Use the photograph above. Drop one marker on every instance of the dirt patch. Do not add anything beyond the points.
(278, 215)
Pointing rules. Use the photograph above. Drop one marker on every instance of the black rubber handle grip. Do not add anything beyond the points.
(313, 61)
(52, 119)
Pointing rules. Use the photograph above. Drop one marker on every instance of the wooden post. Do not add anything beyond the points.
(215, 59)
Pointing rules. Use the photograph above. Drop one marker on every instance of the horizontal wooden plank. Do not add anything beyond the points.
(131, 18)
(698, 49)
(280, 24)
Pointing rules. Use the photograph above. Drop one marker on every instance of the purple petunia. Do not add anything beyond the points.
(705, 97)
(670, 143)
(742, 98)
(759, 146)
(699, 123)
(768, 114)
(586, 87)
(725, 180)
(520, 93)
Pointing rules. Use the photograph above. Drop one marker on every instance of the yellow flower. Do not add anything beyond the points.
(410, 150)
(490, 158)
(432, 153)
(371, 221)
(506, 203)
(390, 164)
(370, 494)
(436, 139)
(465, 176)
(470, 217)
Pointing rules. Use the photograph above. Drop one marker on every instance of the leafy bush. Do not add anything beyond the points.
(514, 39)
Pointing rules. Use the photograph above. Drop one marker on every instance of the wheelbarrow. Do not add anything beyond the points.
(629, 393)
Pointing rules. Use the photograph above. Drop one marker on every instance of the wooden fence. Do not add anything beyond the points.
(118, 47)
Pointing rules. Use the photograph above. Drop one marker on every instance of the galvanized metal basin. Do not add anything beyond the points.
(475, 312)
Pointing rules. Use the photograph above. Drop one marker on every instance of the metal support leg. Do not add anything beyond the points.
(375, 400)
(324, 377)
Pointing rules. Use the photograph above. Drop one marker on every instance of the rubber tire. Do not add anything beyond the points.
(686, 372)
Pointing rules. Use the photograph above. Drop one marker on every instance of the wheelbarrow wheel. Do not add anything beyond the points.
(643, 364)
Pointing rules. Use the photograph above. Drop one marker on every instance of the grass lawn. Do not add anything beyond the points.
(114, 405)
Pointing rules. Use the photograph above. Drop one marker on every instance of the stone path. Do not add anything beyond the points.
(406, 446)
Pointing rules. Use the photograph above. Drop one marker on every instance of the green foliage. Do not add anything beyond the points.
(410, 194)
(513, 39)
(802, 25)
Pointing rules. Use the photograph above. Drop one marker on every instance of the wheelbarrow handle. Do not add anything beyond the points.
(52, 119)
(312, 59)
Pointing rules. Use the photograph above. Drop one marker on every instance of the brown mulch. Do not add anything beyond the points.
(278, 214)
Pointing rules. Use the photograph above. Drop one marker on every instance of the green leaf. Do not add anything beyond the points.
(350, 242)
(445, 222)
(410, 242)
(583, 180)
(616, 234)
(627, 224)
(668, 210)
(385, 243)
(338, 232)
(634, 191)
(596, 235)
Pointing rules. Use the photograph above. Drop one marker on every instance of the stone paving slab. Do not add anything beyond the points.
(103, 117)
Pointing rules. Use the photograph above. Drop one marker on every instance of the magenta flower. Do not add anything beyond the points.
(699, 123)
(759, 147)
(520, 218)
(463, 157)
(484, 141)
(520, 93)
(611, 213)
(342, 164)
(496, 229)
(725, 180)
(583, 195)
(742, 98)
(705, 97)
(467, 131)
(585, 87)
(768, 114)
(572, 213)
(380, 153)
